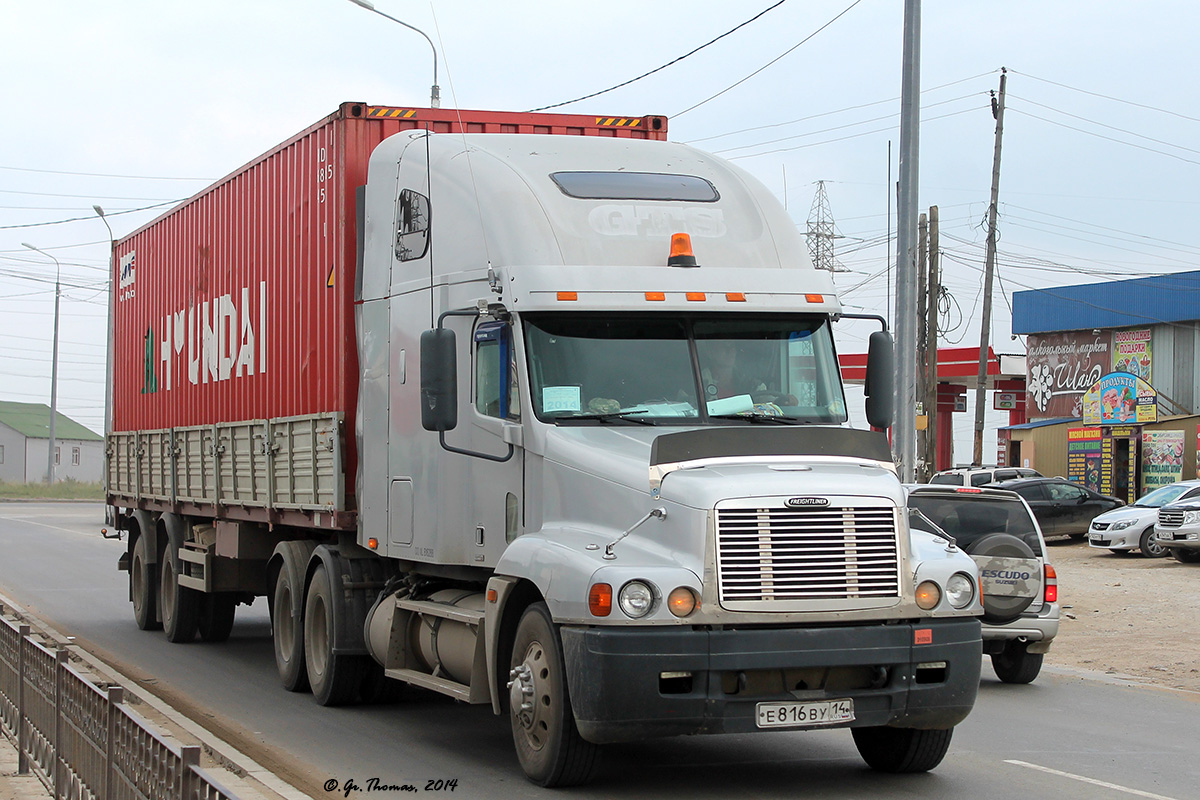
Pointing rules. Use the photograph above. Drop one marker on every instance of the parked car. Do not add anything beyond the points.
(1020, 590)
(1131, 527)
(978, 476)
(1178, 529)
(1062, 508)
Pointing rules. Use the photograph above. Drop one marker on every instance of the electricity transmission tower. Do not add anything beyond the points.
(821, 233)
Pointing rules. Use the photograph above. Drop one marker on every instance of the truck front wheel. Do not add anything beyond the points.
(335, 679)
(143, 585)
(902, 749)
(549, 746)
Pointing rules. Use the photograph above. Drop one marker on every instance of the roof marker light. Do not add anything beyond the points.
(815, 298)
(568, 295)
(696, 297)
(735, 297)
(656, 296)
(681, 251)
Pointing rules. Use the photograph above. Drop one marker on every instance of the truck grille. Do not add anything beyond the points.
(773, 554)
(1170, 519)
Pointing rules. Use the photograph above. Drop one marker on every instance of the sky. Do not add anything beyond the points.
(136, 104)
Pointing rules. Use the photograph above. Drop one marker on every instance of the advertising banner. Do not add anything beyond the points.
(1120, 398)
(1162, 458)
(1062, 367)
(1132, 353)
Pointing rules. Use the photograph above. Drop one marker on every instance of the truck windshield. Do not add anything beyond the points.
(662, 368)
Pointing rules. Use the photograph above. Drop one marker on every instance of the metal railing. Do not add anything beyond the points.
(81, 739)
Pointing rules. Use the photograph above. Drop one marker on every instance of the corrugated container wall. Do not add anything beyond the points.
(238, 304)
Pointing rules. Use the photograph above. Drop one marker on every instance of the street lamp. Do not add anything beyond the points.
(108, 350)
(54, 362)
(435, 94)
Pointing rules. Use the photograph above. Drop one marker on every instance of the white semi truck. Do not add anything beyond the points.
(548, 422)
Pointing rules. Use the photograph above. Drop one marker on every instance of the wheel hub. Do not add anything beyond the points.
(530, 697)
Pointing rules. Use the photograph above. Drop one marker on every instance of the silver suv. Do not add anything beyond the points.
(1020, 590)
(978, 476)
(1178, 529)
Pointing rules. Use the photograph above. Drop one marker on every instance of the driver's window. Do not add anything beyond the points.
(495, 373)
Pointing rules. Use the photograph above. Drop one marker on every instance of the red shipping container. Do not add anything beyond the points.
(238, 304)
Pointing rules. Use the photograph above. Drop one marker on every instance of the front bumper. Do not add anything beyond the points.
(1124, 539)
(1176, 537)
(634, 683)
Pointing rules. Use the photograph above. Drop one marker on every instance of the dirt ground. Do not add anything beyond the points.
(1127, 616)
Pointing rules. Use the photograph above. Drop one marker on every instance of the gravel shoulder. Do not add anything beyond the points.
(1127, 616)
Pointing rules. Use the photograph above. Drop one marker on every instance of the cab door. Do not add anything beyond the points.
(494, 428)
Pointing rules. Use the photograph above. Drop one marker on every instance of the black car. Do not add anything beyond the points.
(1062, 508)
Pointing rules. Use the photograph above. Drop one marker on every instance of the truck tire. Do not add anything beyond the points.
(1149, 544)
(1185, 556)
(548, 744)
(143, 585)
(215, 621)
(901, 750)
(179, 605)
(1015, 664)
(335, 679)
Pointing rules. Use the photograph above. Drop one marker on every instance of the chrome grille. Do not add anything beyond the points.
(1170, 519)
(788, 554)
(1099, 526)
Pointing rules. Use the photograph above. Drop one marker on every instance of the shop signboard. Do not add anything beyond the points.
(1120, 398)
(1162, 458)
(1132, 353)
(1062, 367)
(1084, 456)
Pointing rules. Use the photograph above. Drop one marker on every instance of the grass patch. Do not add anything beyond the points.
(63, 490)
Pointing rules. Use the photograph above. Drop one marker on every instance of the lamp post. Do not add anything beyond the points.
(108, 350)
(54, 362)
(435, 94)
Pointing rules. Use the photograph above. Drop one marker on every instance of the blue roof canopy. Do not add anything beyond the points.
(1113, 304)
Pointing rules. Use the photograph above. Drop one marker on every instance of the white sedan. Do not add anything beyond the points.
(1132, 527)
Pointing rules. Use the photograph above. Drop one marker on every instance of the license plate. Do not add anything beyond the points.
(805, 714)
(1097, 539)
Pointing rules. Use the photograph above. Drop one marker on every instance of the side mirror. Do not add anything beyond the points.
(880, 386)
(439, 380)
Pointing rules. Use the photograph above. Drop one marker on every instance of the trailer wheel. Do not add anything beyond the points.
(287, 631)
(901, 749)
(335, 679)
(549, 746)
(143, 585)
(215, 621)
(179, 605)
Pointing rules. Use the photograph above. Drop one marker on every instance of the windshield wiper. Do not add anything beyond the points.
(758, 417)
(609, 416)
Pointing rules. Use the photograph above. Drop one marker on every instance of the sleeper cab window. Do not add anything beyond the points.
(412, 225)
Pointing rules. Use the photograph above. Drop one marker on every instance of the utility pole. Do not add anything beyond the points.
(904, 439)
(989, 268)
(934, 287)
(922, 353)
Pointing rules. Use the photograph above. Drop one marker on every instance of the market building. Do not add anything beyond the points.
(1112, 383)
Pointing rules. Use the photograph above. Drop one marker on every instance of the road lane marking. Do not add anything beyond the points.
(31, 521)
(1092, 781)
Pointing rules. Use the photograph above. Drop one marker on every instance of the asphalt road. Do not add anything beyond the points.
(1065, 736)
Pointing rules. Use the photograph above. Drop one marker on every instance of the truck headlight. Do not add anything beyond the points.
(928, 595)
(636, 599)
(960, 590)
(1123, 524)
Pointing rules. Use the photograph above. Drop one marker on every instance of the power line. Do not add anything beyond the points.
(90, 217)
(1108, 138)
(103, 175)
(78, 196)
(769, 63)
(1107, 97)
(1103, 125)
(664, 66)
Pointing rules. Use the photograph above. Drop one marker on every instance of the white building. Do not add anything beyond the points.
(25, 437)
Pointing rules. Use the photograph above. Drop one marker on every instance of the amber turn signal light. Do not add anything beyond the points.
(600, 600)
